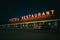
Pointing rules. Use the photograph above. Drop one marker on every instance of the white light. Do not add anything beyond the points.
(47, 13)
(29, 15)
(32, 15)
(35, 15)
(43, 14)
(52, 11)
(22, 17)
(39, 14)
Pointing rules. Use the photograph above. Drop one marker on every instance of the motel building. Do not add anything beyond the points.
(40, 20)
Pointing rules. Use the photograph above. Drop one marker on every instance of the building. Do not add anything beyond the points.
(44, 20)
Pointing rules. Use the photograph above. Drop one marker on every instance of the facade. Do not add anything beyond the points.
(44, 20)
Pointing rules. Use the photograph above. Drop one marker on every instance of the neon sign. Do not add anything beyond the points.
(39, 15)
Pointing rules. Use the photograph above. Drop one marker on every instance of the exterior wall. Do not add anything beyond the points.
(44, 24)
(58, 24)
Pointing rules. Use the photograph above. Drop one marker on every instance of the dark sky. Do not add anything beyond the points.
(18, 8)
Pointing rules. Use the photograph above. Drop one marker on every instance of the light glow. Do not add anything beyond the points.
(47, 13)
(31, 17)
(14, 19)
(43, 14)
(35, 15)
(52, 11)
(39, 14)
(22, 17)
(27, 16)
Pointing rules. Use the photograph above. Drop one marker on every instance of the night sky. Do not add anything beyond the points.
(18, 8)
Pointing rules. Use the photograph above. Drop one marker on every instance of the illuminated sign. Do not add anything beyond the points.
(33, 16)
(14, 19)
(39, 14)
